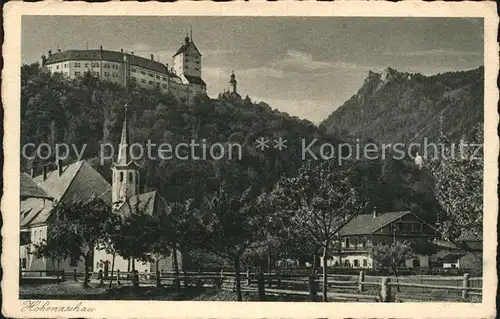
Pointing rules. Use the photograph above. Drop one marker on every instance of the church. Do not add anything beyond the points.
(79, 181)
(126, 199)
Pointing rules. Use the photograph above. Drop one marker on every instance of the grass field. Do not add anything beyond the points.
(72, 290)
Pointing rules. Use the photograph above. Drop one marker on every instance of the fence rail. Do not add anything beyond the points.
(338, 285)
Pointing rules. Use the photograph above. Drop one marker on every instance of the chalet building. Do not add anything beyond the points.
(365, 231)
(39, 197)
(183, 79)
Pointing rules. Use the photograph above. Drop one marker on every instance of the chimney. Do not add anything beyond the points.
(121, 50)
(375, 212)
(132, 53)
(50, 52)
(59, 167)
(58, 50)
(152, 58)
(44, 168)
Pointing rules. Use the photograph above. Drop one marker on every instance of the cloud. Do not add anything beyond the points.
(433, 52)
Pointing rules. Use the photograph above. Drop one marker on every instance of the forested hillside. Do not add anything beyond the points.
(397, 107)
(87, 111)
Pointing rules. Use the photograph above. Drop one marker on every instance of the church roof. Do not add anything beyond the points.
(78, 182)
(112, 56)
(150, 203)
(31, 189)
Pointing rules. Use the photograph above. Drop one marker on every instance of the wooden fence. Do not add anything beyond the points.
(340, 286)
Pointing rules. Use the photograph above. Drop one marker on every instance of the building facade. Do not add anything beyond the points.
(183, 79)
(368, 230)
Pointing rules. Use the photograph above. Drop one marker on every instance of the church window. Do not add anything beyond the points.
(121, 176)
(130, 177)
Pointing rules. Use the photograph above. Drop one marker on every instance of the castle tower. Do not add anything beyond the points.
(125, 172)
(232, 83)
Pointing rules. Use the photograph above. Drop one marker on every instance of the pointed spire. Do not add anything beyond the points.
(123, 150)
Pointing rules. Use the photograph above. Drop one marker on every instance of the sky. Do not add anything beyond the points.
(306, 66)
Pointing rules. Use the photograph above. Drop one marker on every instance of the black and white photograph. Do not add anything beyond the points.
(244, 158)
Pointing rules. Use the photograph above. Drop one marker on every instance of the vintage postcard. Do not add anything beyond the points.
(250, 160)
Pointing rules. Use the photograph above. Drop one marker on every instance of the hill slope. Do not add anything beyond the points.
(397, 107)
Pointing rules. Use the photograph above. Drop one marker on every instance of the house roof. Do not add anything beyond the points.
(195, 80)
(367, 224)
(78, 182)
(31, 189)
(184, 47)
(112, 56)
(150, 203)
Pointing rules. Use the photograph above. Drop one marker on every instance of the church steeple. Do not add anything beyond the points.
(125, 171)
(123, 148)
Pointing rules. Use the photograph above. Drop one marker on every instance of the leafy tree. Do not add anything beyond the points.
(232, 224)
(391, 256)
(319, 200)
(77, 228)
(183, 231)
(459, 188)
(54, 247)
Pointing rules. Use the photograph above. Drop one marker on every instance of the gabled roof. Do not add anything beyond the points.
(150, 203)
(78, 182)
(367, 224)
(31, 189)
(112, 56)
(184, 47)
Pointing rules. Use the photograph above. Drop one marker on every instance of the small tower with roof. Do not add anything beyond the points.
(233, 83)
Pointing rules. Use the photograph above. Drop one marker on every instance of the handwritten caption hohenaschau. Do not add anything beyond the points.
(47, 306)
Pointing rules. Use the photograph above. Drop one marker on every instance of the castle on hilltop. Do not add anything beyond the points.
(182, 78)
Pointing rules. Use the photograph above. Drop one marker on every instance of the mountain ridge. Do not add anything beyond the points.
(401, 107)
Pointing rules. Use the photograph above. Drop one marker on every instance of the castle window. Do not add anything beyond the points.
(121, 176)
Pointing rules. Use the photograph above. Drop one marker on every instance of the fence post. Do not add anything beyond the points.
(75, 277)
(186, 283)
(269, 279)
(385, 290)
(118, 277)
(262, 288)
(249, 282)
(465, 284)
(62, 275)
(312, 288)
(198, 281)
(361, 279)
